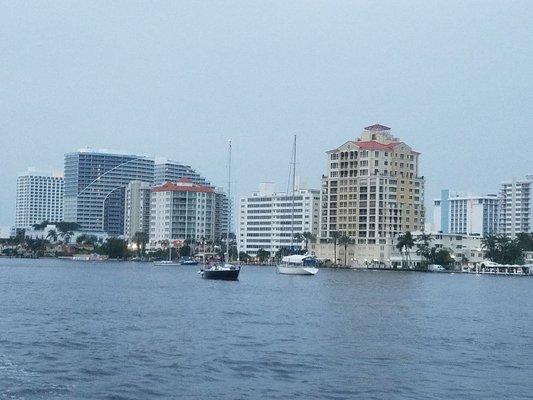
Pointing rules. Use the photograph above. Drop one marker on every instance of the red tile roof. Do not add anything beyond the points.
(180, 187)
(373, 145)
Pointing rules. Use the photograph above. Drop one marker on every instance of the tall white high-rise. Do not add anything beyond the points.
(265, 218)
(181, 211)
(39, 198)
(95, 182)
(466, 214)
(516, 206)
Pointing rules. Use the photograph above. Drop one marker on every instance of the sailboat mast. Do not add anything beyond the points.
(229, 200)
(293, 190)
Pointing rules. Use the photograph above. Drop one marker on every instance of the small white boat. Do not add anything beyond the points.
(298, 265)
(166, 262)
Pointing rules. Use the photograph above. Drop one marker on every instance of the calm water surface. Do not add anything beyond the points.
(133, 331)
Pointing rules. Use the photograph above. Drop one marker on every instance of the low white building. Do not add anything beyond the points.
(39, 198)
(266, 217)
(463, 248)
(466, 214)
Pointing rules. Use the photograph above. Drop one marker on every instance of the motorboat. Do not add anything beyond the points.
(298, 265)
(223, 272)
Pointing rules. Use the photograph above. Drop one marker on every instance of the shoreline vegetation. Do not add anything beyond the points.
(64, 240)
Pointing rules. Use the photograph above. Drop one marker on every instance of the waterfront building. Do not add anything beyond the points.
(466, 214)
(372, 190)
(463, 249)
(171, 171)
(95, 183)
(516, 206)
(39, 198)
(265, 218)
(181, 210)
(136, 208)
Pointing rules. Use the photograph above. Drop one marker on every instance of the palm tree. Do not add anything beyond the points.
(345, 241)
(308, 237)
(52, 235)
(140, 239)
(335, 236)
(423, 244)
(66, 235)
(490, 244)
(404, 244)
(298, 237)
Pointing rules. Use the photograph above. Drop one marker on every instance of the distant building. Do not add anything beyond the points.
(516, 207)
(95, 183)
(372, 189)
(265, 218)
(39, 198)
(180, 211)
(222, 214)
(171, 171)
(136, 208)
(466, 214)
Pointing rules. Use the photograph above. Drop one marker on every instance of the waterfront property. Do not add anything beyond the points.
(180, 211)
(466, 214)
(95, 184)
(516, 207)
(171, 171)
(39, 198)
(265, 218)
(372, 190)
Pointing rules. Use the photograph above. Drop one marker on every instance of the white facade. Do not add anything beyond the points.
(466, 214)
(136, 208)
(39, 198)
(516, 207)
(265, 218)
(180, 211)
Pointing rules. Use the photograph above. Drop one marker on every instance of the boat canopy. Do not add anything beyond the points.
(298, 259)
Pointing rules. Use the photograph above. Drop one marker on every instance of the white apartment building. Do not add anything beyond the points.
(265, 218)
(39, 198)
(516, 207)
(136, 208)
(466, 214)
(180, 211)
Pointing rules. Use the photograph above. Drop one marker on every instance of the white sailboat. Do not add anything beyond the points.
(296, 264)
(167, 262)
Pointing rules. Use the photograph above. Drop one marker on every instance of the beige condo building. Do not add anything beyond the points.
(372, 190)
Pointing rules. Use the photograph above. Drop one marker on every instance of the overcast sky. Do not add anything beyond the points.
(177, 79)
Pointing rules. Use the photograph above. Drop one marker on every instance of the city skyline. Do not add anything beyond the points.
(460, 95)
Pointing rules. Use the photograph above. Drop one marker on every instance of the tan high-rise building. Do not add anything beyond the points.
(372, 189)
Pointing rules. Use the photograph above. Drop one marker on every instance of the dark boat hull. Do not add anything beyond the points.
(229, 275)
